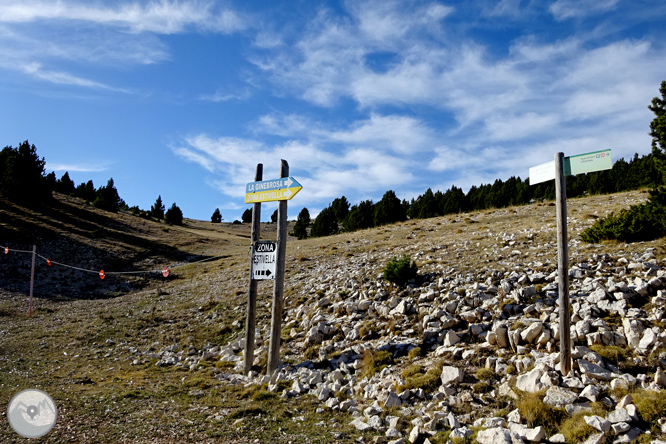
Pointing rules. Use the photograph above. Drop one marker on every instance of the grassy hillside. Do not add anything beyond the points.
(90, 341)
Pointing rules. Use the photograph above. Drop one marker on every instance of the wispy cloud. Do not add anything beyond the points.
(371, 156)
(511, 110)
(162, 17)
(77, 167)
(564, 9)
(62, 78)
(222, 96)
(38, 35)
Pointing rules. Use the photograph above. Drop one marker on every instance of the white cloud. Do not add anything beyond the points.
(36, 35)
(62, 78)
(513, 127)
(163, 17)
(399, 134)
(76, 167)
(220, 96)
(564, 9)
(375, 155)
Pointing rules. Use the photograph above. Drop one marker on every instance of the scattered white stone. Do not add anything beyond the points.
(559, 397)
(451, 375)
(530, 382)
(496, 435)
(598, 423)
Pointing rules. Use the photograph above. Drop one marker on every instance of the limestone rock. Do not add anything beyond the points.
(593, 370)
(559, 397)
(496, 435)
(530, 382)
(598, 423)
(451, 375)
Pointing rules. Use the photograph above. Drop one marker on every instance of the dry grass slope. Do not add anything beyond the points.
(85, 342)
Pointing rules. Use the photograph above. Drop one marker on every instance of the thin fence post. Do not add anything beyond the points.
(250, 319)
(32, 279)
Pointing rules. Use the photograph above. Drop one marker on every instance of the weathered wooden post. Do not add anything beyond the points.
(563, 265)
(558, 169)
(250, 319)
(278, 288)
(268, 258)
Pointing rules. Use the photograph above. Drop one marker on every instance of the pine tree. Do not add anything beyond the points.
(86, 191)
(302, 223)
(157, 210)
(658, 129)
(173, 216)
(389, 210)
(216, 218)
(107, 198)
(246, 218)
(22, 176)
(65, 185)
(324, 224)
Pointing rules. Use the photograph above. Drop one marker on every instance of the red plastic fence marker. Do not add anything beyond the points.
(48, 261)
(165, 272)
(6, 250)
(101, 274)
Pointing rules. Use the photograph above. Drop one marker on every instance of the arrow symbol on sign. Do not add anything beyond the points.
(289, 182)
(268, 272)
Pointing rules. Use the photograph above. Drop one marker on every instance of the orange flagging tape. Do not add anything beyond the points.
(102, 274)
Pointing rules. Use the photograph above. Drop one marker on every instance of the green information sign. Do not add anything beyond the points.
(582, 163)
(588, 163)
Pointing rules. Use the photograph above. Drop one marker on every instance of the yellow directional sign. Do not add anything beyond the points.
(272, 190)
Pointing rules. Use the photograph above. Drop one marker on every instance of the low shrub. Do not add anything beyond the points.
(399, 271)
(651, 404)
(428, 382)
(575, 429)
(485, 374)
(411, 371)
(643, 222)
(373, 362)
(611, 353)
(414, 353)
(538, 413)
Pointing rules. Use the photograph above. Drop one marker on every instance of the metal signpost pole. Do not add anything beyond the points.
(276, 318)
(563, 265)
(252, 293)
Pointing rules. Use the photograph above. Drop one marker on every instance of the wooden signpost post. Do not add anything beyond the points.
(558, 169)
(268, 259)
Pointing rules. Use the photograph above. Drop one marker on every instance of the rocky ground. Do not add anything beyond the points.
(467, 352)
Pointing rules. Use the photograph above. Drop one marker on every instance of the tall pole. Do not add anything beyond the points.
(251, 315)
(32, 278)
(563, 265)
(276, 317)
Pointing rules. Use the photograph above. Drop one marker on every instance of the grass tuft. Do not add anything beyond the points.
(651, 404)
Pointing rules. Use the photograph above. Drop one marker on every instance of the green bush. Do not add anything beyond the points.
(400, 271)
(638, 223)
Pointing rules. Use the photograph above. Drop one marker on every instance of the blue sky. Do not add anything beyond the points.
(183, 98)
